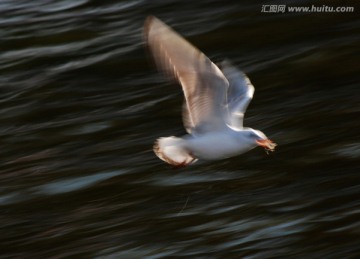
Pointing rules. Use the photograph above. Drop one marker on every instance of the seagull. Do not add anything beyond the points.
(215, 101)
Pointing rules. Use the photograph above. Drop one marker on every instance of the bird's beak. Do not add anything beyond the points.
(267, 144)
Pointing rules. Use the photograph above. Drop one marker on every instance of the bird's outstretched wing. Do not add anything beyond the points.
(239, 95)
(203, 83)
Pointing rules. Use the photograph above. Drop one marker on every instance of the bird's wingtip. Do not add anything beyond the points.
(225, 63)
(148, 21)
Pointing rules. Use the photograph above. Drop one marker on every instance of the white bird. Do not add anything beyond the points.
(215, 101)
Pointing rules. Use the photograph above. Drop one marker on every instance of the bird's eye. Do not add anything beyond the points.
(253, 135)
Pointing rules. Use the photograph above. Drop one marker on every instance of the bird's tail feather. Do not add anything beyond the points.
(172, 150)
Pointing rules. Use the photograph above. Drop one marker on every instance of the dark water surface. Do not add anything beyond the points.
(81, 106)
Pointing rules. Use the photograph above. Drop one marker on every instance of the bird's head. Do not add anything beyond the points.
(260, 139)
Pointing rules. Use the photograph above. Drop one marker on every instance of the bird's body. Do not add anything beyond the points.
(218, 145)
(215, 101)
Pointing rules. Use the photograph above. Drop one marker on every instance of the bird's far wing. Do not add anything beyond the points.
(239, 95)
(203, 83)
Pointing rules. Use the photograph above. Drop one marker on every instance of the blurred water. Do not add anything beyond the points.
(81, 106)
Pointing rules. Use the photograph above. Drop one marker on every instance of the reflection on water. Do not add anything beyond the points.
(81, 106)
